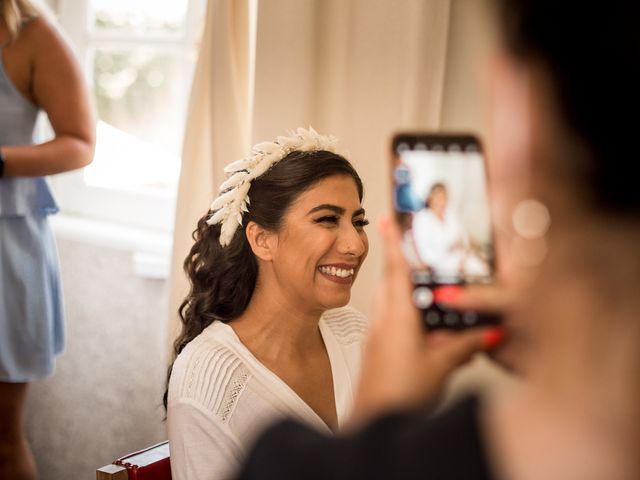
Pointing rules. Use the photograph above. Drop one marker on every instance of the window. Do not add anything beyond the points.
(139, 57)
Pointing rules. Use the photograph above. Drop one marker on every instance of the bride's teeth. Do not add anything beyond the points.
(337, 272)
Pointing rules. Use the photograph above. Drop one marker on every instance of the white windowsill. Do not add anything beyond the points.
(151, 250)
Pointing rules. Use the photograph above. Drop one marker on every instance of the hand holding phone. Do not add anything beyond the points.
(402, 367)
(441, 204)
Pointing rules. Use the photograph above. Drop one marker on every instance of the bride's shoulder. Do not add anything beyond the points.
(208, 371)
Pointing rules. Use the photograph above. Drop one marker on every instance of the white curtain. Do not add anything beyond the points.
(357, 69)
(217, 127)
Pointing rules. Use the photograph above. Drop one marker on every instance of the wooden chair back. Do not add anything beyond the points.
(151, 463)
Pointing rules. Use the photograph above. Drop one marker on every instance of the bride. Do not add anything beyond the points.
(265, 332)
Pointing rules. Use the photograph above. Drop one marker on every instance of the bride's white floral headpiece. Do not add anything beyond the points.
(233, 198)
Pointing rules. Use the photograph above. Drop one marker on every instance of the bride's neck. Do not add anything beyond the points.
(276, 327)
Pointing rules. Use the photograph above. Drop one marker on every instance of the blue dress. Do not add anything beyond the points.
(31, 317)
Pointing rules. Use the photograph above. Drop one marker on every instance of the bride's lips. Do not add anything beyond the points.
(341, 273)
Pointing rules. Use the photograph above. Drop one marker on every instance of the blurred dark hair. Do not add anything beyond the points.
(592, 54)
(223, 278)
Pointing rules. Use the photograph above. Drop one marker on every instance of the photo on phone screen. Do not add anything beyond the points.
(441, 203)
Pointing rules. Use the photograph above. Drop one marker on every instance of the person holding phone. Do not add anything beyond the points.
(38, 72)
(577, 415)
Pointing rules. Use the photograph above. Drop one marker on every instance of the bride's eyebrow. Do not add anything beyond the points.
(327, 206)
(358, 212)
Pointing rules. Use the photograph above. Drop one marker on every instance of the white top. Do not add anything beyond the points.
(221, 397)
(444, 245)
(436, 241)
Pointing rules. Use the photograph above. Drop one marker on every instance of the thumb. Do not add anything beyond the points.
(395, 265)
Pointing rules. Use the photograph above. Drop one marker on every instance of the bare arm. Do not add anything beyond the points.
(56, 86)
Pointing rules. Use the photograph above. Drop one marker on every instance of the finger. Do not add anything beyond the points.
(394, 260)
(462, 346)
(483, 298)
(397, 275)
(438, 337)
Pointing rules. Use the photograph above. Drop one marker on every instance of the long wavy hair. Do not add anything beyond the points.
(15, 12)
(223, 279)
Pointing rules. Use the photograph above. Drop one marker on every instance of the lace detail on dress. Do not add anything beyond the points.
(347, 324)
(234, 388)
(212, 375)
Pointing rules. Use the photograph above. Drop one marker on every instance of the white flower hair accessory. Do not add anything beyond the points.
(233, 198)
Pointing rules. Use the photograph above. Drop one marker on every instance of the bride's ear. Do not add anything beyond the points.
(261, 241)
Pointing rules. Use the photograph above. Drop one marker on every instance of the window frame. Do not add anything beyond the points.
(143, 208)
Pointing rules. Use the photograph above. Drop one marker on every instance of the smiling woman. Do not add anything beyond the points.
(266, 332)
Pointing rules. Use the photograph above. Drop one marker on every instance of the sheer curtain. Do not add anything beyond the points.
(357, 69)
(217, 130)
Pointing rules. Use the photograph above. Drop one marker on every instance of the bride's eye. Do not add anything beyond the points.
(361, 223)
(329, 219)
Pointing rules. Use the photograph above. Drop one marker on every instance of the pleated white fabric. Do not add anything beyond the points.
(221, 396)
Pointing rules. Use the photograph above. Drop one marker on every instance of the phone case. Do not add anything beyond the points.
(440, 202)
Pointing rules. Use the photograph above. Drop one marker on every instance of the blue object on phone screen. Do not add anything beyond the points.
(405, 198)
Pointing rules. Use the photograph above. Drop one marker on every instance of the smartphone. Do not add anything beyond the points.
(441, 204)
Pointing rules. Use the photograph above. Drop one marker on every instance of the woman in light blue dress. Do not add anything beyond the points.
(37, 72)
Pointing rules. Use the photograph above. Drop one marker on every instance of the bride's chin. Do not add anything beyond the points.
(342, 302)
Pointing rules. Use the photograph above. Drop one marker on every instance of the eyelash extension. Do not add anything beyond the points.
(361, 223)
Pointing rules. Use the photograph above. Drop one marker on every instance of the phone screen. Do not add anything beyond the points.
(441, 203)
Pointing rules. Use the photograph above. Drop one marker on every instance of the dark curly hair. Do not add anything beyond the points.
(223, 278)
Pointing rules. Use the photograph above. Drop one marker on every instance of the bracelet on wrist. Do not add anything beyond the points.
(2, 162)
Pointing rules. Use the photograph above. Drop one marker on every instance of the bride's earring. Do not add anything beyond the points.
(530, 221)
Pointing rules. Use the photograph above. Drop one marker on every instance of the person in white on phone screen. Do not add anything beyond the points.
(440, 239)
